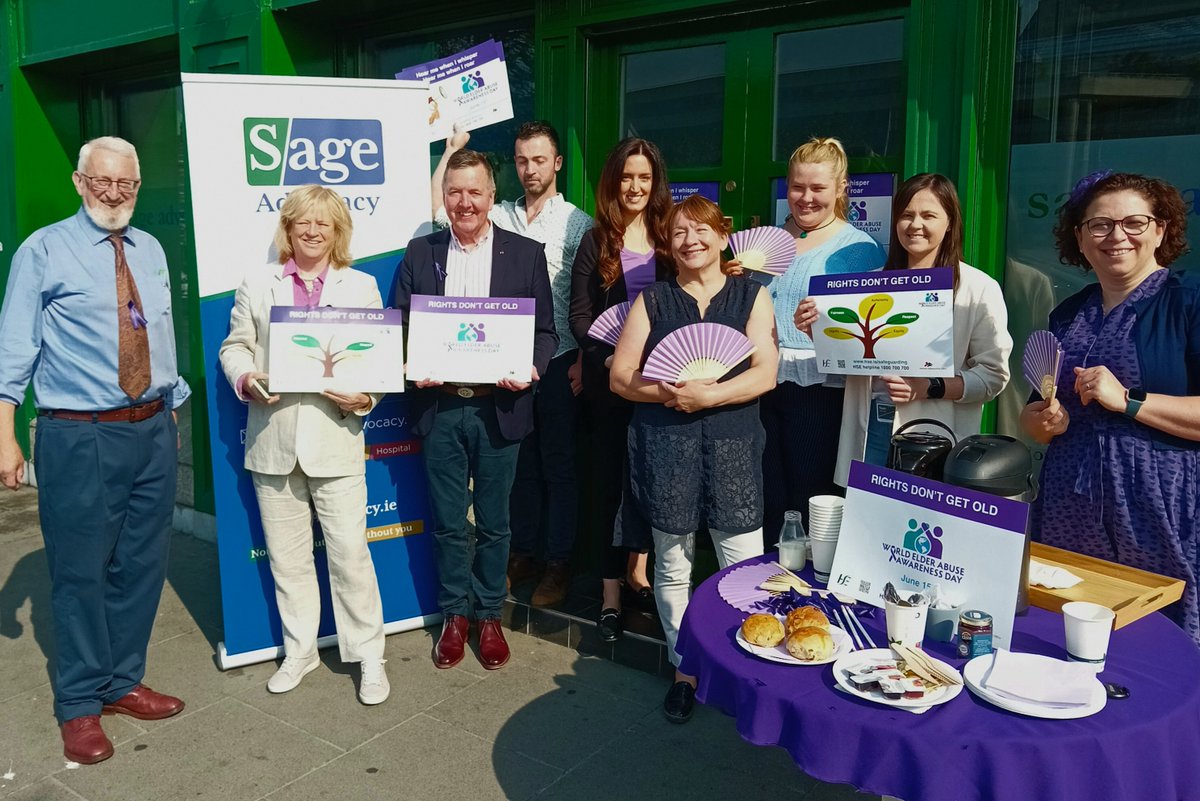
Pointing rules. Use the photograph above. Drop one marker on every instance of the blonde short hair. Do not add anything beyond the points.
(826, 150)
(319, 201)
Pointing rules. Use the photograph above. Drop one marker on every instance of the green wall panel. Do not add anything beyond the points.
(53, 29)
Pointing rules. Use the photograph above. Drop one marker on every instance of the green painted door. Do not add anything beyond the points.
(728, 108)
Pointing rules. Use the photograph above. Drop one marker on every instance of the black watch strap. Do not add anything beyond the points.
(937, 388)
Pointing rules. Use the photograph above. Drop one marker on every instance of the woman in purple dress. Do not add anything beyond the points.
(1122, 475)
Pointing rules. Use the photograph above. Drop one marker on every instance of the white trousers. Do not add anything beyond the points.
(673, 558)
(340, 502)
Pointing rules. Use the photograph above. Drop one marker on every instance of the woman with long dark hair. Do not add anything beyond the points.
(626, 251)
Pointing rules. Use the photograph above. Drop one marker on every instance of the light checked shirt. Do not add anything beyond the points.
(58, 324)
(469, 272)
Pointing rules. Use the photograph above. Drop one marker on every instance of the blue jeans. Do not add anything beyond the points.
(106, 495)
(879, 432)
(465, 444)
(545, 494)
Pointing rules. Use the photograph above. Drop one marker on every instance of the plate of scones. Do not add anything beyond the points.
(804, 637)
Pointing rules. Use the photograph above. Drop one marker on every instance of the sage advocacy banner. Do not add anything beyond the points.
(251, 139)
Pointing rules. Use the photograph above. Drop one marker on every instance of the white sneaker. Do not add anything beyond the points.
(373, 688)
(291, 672)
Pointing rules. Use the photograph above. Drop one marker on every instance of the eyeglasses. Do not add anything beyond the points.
(1133, 225)
(124, 185)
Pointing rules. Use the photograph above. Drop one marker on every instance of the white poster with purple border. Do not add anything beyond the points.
(894, 322)
(470, 340)
(338, 349)
(918, 533)
(467, 90)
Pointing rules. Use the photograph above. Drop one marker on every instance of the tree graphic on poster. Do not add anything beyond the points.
(871, 308)
(329, 357)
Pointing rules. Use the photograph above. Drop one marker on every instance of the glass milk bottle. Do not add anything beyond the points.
(793, 542)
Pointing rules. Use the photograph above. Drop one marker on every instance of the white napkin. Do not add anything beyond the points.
(1052, 578)
(1042, 680)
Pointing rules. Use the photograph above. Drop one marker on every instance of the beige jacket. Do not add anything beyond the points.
(304, 428)
(981, 348)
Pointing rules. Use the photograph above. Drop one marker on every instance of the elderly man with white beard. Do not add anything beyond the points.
(87, 318)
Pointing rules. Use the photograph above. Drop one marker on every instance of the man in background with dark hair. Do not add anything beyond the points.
(546, 467)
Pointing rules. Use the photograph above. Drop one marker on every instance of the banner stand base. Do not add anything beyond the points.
(228, 661)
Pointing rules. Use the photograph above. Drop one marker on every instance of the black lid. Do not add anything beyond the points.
(990, 463)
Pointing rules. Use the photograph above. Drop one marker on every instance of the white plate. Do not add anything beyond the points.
(841, 645)
(976, 670)
(853, 659)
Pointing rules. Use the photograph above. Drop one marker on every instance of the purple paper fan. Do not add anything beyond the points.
(696, 352)
(1041, 362)
(608, 326)
(765, 249)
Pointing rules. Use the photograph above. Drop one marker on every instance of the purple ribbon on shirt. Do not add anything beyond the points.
(135, 317)
(440, 270)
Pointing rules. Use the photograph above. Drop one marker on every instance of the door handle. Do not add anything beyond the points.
(755, 220)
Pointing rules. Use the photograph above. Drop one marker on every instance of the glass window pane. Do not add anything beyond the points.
(817, 71)
(1097, 86)
(676, 99)
(384, 56)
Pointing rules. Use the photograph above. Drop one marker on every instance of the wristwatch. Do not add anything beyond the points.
(1134, 398)
(937, 388)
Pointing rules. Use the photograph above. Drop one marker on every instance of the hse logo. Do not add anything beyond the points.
(922, 539)
(282, 151)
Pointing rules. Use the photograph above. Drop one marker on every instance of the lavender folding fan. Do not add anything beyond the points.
(608, 326)
(696, 352)
(765, 249)
(1041, 362)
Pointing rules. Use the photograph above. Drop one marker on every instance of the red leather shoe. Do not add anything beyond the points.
(453, 643)
(145, 704)
(493, 650)
(84, 741)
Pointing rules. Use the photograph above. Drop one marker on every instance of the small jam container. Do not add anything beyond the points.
(974, 634)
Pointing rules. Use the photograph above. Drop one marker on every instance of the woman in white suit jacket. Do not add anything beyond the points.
(307, 448)
(928, 232)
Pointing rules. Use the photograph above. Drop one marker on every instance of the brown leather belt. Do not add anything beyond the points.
(472, 391)
(126, 414)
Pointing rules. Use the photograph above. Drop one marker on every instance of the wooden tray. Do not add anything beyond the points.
(1129, 592)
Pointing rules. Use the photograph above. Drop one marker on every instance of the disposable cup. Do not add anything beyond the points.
(906, 624)
(942, 623)
(822, 556)
(825, 503)
(1088, 627)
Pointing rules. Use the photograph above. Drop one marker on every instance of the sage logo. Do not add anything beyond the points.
(282, 151)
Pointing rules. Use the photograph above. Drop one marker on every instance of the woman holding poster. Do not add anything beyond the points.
(802, 415)
(695, 447)
(928, 233)
(305, 450)
(625, 252)
(1122, 474)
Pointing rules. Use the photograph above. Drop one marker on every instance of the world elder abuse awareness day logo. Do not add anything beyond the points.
(289, 151)
(921, 550)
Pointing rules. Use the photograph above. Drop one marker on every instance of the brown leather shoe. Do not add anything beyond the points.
(84, 741)
(521, 569)
(145, 704)
(553, 586)
(453, 643)
(493, 650)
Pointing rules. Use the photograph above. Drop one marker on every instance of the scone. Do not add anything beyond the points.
(764, 630)
(810, 644)
(803, 616)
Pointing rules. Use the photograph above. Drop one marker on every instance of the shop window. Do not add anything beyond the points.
(1098, 85)
(848, 80)
(676, 99)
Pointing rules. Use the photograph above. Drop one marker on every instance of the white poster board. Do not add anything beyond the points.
(915, 533)
(889, 322)
(470, 340)
(343, 350)
(467, 90)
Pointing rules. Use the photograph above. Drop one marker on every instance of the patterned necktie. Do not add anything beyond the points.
(133, 344)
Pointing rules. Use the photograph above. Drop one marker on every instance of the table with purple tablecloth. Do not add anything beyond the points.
(1143, 748)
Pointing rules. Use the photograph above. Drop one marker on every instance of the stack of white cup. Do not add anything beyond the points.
(824, 525)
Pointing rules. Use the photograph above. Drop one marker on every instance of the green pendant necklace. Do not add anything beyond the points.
(804, 232)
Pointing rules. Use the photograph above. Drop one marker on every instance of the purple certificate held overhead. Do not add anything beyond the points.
(470, 340)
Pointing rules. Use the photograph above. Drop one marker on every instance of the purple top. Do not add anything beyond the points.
(639, 271)
(965, 750)
(300, 294)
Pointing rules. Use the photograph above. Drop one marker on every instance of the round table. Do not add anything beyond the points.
(1143, 748)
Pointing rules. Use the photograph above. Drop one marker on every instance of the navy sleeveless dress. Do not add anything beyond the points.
(703, 469)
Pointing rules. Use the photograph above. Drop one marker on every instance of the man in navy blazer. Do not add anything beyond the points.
(473, 432)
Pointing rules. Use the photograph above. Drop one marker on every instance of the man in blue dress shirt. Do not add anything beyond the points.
(87, 317)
